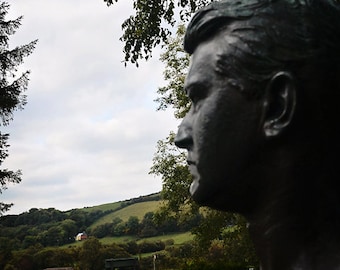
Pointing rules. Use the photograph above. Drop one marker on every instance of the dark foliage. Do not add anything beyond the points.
(12, 87)
(47, 227)
(161, 16)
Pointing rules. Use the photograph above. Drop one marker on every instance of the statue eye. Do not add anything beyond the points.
(193, 97)
(196, 93)
(197, 96)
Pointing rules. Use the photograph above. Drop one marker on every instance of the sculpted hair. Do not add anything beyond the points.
(274, 35)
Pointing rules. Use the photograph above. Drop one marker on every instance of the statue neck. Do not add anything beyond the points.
(288, 247)
(296, 224)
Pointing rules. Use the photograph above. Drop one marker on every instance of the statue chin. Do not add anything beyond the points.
(193, 187)
(201, 194)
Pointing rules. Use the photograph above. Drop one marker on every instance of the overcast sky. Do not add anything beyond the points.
(88, 133)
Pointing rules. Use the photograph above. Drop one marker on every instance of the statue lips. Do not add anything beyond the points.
(190, 162)
(195, 176)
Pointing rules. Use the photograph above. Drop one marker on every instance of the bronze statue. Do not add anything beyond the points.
(262, 133)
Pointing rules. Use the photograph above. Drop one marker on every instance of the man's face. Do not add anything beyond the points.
(222, 131)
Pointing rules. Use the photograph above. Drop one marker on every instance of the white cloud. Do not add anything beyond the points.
(88, 134)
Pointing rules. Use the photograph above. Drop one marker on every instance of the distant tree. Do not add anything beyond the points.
(116, 220)
(147, 246)
(80, 217)
(113, 251)
(53, 236)
(152, 23)
(131, 247)
(132, 225)
(29, 240)
(119, 229)
(102, 230)
(12, 87)
(90, 255)
(148, 226)
(5, 251)
(69, 229)
(61, 257)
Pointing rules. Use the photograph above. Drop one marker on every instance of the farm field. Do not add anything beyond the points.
(179, 238)
(137, 209)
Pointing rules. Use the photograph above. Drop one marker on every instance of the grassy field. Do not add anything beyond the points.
(137, 209)
(120, 239)
(113, 206)
(103, 207)
(179, 238)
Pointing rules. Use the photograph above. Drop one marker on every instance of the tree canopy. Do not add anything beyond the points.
(12, 87)
(152, 24)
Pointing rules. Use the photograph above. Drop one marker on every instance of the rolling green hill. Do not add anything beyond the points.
(49, 227)
(47, 236)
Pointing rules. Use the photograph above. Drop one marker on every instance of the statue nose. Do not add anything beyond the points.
(183, 137)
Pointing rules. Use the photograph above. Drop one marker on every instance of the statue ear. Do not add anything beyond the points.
(279, 103)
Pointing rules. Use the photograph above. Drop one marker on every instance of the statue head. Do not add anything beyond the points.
(264, 83)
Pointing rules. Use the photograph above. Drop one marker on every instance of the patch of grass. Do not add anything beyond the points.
(179, 238)
(117, 240)
(103, 207)
(137, 209)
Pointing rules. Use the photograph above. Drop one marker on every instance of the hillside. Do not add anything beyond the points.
(121, 204)
(45, 238)
(51, 227)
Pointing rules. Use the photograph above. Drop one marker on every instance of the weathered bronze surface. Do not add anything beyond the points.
(262, 133)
